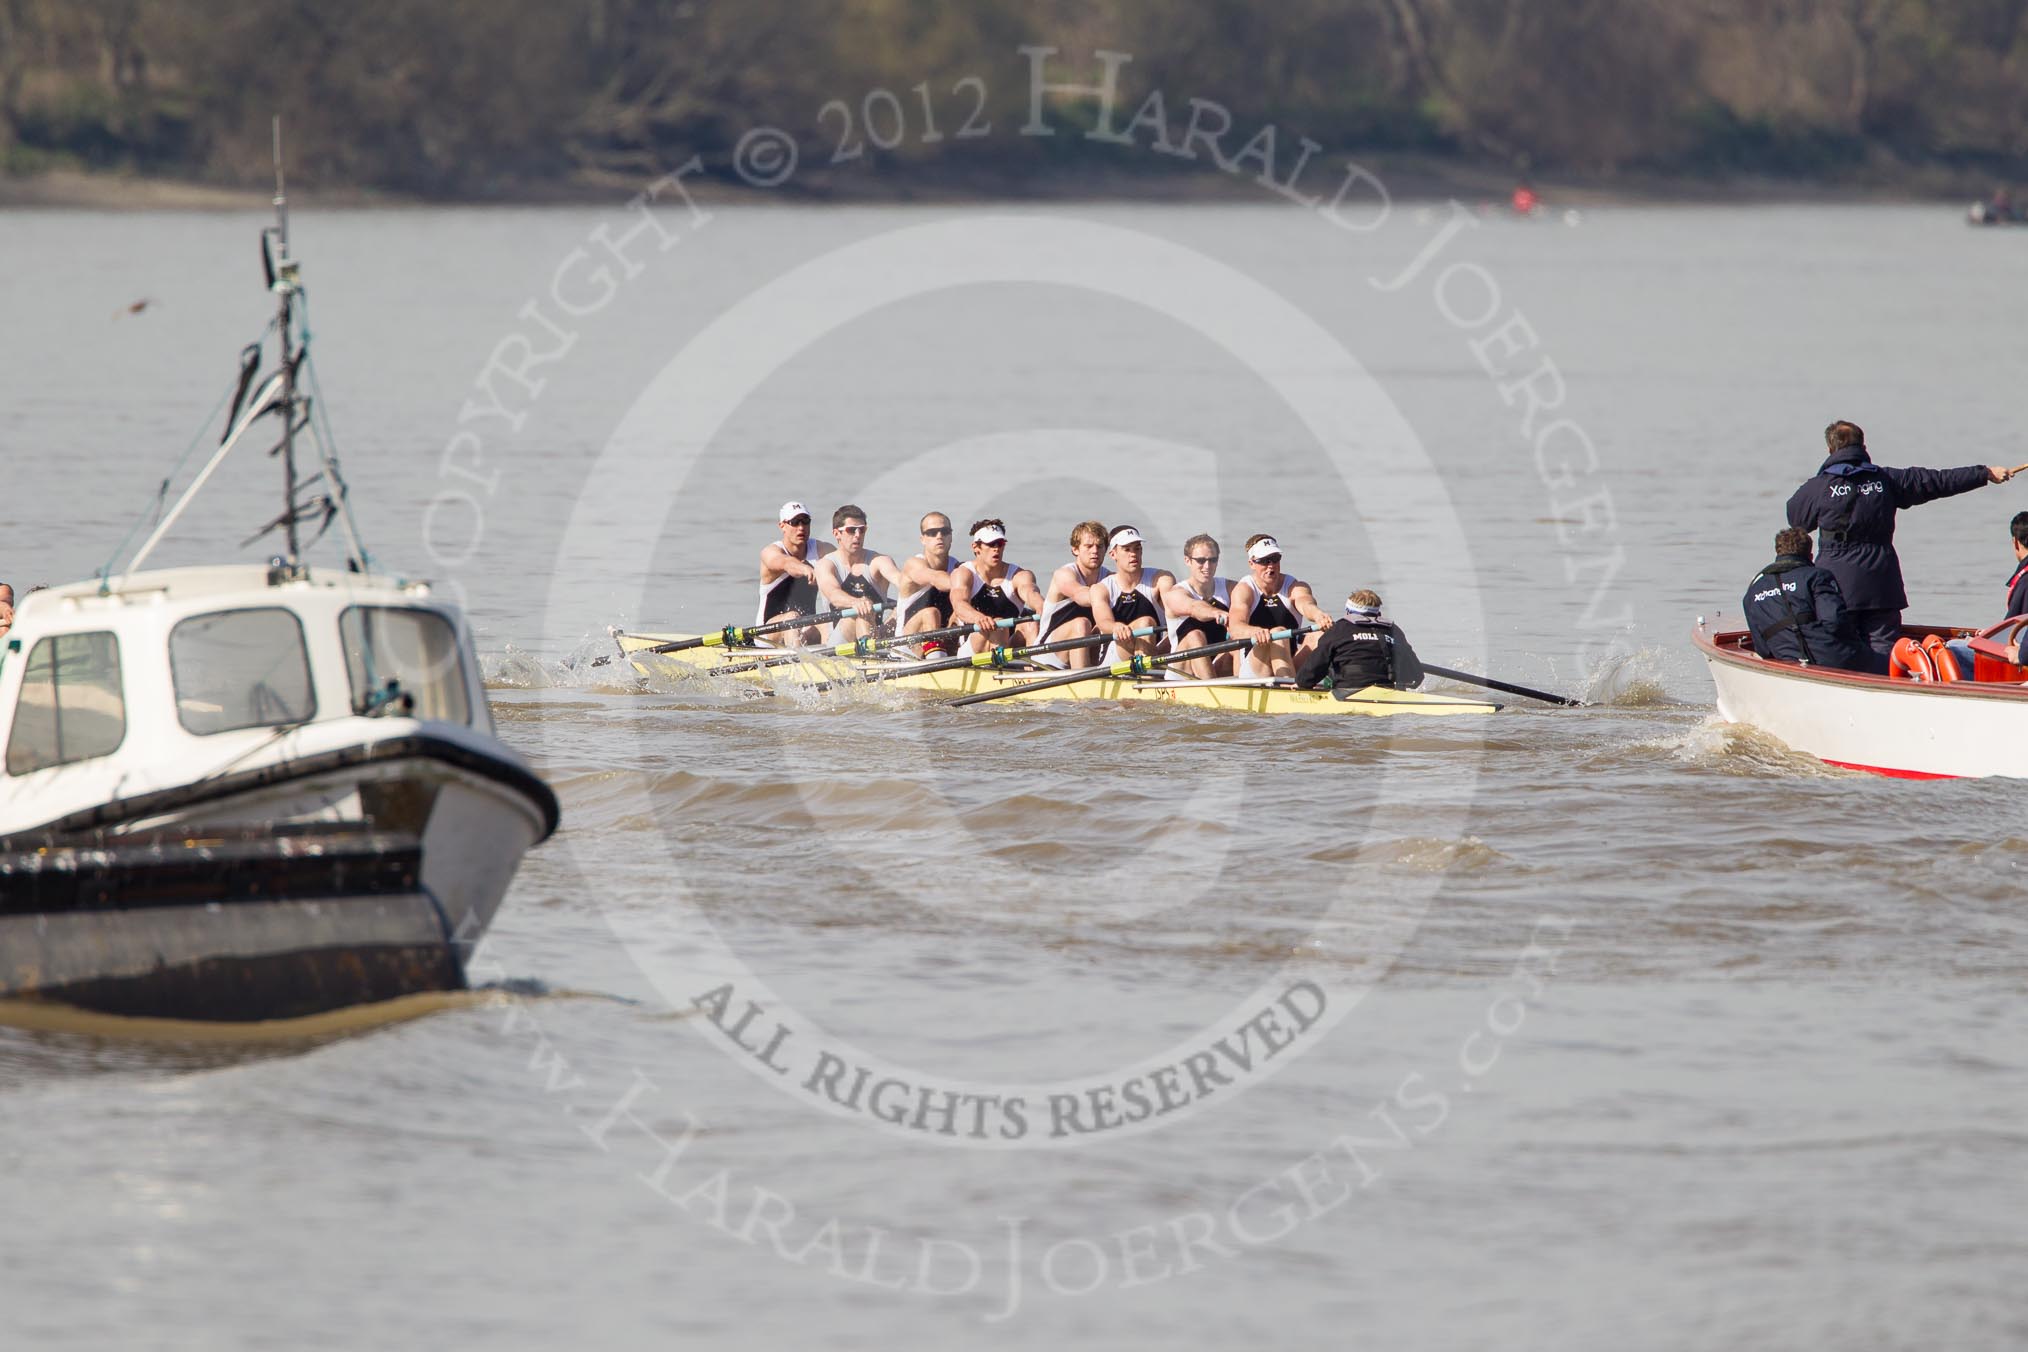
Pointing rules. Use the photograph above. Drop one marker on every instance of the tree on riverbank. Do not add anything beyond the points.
(475, 97)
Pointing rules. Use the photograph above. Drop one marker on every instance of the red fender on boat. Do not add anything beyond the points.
(1947, 668)
(1908, 660)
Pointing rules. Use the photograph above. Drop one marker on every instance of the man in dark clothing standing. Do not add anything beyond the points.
(1851, 501)
(1797, 615)
(1361, 649)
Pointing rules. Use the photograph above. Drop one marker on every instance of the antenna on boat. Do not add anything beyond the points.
(284, 282)
(279, 393)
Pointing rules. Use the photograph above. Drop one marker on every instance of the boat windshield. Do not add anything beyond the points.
(416, 649)
(240, 669)
(72, 706)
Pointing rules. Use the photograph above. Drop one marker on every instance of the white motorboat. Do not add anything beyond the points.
(1918, 727)
(257, 790)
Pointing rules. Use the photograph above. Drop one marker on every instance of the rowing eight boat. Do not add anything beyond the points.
(1237, 694)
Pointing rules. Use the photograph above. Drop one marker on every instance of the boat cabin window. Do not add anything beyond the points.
(241, 669)
(416, 649)
(72, 706)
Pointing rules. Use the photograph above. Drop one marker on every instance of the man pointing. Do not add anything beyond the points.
(1851, 503)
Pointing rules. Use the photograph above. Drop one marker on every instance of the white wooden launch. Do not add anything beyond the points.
(1887, 725)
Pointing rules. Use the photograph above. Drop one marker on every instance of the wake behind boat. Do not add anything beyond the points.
(251, 791)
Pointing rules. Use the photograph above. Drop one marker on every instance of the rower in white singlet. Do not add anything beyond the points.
(1130, 599)
(1268, 599)
(1066, 609)
(925, 590)
(1198, 604)
(788, 576)
(991, 588)
(854, 577)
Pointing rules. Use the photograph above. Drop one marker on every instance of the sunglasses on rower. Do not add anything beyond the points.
(1202, 558)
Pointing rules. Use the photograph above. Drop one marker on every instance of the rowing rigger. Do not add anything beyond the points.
(870, 646)
(993, 658)
(736, 636)
(1135, 666)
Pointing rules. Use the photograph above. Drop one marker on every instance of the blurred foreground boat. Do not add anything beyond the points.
(251, 791)
(1905, 728)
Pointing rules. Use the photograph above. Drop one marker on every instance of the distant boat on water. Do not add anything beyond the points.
(1998, 210)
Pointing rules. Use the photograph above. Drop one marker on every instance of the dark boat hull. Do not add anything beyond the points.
(241, 925)
(345, 877)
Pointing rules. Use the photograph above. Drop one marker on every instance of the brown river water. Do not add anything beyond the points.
(860, 1021)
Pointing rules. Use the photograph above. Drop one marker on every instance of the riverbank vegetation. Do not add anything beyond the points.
(515, 98)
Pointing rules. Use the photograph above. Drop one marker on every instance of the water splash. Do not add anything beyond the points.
(1629, 681)
(592, 664)
(513, 669)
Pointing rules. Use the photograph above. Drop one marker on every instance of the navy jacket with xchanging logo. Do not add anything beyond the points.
(1851, 502)
(1797, 615)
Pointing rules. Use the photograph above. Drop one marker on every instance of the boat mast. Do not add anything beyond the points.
(285, 284)
(279, 393)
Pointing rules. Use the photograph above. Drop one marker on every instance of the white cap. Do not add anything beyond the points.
(1263, 548)
(792, 510)
(989, 535)
(1125, 535)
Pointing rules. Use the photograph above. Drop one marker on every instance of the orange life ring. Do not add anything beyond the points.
(1908, 660)
(1947, 668)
